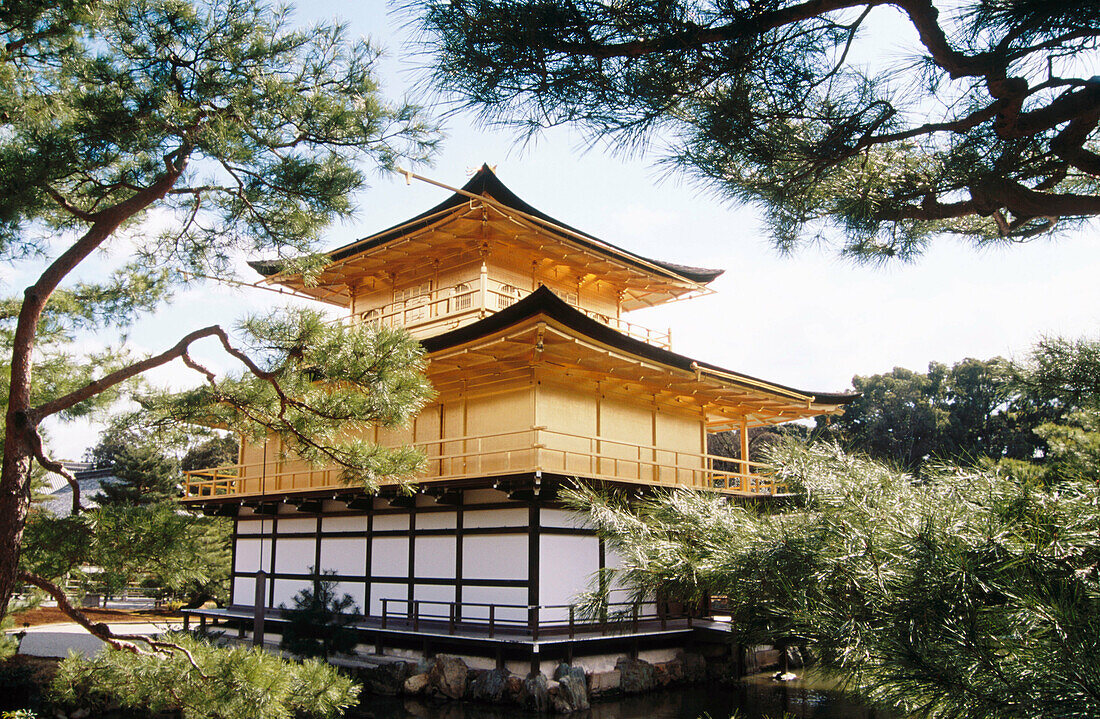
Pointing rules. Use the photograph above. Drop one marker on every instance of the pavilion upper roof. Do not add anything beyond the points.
(484, 213)
(543, 326)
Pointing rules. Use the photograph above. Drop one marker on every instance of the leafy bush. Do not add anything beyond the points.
(234, 683)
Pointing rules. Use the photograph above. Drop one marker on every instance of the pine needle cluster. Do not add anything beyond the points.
(223, 683)
(967, 593)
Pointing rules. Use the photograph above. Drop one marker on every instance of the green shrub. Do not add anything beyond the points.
(320, 623)
(239, 683)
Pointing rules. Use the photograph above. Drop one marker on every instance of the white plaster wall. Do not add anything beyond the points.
(385, 522)
(437, 520)
(297, 524)
(434, 593)
(250, 553)
(344, 555)
(379, 591)
(344, 524)
(390, 557)
(435, 557)
(356, 589)
(252, 526)
(244, 591)
(495, 595)
(619, 593)
(566, 566)
(295, 556)
(612, 560)
(495, 518)
(502, 556)
(285, 589)
(560, 518)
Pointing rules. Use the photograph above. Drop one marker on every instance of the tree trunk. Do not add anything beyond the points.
(21, 427)
(15, 499)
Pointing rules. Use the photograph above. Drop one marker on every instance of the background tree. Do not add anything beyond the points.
(1064, 373)
(253, 135)
(899, 416)
(728, 444)
(987, 129)
(970, 410)
(217, 451)
(142, 475)
(140, 532)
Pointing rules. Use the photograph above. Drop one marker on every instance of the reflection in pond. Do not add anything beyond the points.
(756, 698)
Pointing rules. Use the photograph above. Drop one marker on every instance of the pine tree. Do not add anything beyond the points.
(253, 135)
(143, 475)
(972, 592)
(320, 624)
(985, 126)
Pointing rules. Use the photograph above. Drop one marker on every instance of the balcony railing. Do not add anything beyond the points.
(537, 449)
(445, 308)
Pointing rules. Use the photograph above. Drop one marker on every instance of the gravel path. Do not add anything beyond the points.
(57, 640)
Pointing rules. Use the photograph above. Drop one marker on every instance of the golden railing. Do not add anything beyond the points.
(537, 449)
(460, 304)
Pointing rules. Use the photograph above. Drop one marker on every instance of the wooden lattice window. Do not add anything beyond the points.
(462, 297)
(414, 300)
(372, 316)
(507, 296)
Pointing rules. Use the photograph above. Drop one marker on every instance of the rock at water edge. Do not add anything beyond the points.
(573, 687)
(448, 676)
(604, 683)
(637, 676)
(416, 684)
(489, 686)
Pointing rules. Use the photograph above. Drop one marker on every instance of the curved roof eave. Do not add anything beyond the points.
(544, 301)
(485, 181)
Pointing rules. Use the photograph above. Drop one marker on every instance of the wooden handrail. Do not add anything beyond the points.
(531, 450)
(437, 306)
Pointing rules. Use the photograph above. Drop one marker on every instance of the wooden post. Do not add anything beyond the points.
(745, 455)
(258, 609)
(484, 289)
(492, 620)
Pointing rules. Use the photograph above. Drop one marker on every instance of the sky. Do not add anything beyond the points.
(810, 321)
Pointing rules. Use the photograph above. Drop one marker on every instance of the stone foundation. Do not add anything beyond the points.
(568, 689)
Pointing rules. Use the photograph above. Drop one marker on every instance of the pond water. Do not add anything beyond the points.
(758, 697)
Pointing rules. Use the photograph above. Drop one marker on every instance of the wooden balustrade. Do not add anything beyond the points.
(503, 453)
(492, 619)
(469, 301)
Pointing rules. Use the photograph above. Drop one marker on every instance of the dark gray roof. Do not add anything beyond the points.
(60, 502)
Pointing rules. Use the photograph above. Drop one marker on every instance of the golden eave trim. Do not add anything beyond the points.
(759, 384)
